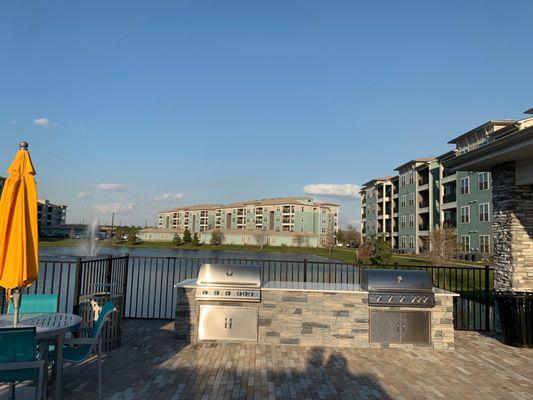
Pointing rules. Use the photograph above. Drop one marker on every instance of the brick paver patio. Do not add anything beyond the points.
(151, 364)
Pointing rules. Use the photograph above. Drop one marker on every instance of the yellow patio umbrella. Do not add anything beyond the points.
(18, 227)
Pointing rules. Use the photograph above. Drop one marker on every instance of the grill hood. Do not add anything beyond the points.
(396, 280)
(229, 275)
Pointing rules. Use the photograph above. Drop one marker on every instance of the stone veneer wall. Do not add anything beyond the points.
(315, 319)
(513, 230)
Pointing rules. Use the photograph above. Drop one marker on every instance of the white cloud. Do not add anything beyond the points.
(169, 197)
(13, 122)
(117, 208)
(112, 186)
(44, 122)
(346, 190)
(84, 195)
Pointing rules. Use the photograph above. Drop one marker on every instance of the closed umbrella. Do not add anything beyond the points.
(18, 227)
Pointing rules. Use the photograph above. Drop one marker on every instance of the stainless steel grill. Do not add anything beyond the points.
(229, 283)
(398, 288)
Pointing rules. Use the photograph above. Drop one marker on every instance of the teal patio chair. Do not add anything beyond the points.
(19, 360)
(77, 350)
(36, 304)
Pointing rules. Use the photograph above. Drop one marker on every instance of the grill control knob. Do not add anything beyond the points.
(216, 292)
(390, 299)
(402, 299)
(413, 299)
(228, 293)
(378, 298)
(239, 293)
(205, 292)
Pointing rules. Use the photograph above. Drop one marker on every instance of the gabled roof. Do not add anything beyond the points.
(416, 161)
(504, 122)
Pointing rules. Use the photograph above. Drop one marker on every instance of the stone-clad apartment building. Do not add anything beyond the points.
(425, 195)
(283, 220)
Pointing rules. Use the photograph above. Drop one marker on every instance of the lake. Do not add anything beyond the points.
(71, 252)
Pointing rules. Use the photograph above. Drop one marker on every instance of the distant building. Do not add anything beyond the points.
(158, 234)
(73, 231)
(288, 217)
(264, 237)
(50, 214)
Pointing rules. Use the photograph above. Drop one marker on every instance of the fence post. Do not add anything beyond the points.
(77, 286)
(109, 266)
(487, 298)
(305, 269)
(125, 285)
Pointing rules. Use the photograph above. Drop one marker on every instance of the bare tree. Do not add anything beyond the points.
(364, 253)
(331, 237)
(260, 238)
(442, 245)
(300, 240)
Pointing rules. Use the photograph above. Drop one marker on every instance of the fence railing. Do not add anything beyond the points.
(147, 283)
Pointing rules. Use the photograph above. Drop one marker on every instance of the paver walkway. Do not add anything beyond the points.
(151, 364)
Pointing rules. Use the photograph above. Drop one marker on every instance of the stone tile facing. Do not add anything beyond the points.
(513, 230)
(314, 319)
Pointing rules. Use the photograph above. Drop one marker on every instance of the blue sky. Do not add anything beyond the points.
(134, 106)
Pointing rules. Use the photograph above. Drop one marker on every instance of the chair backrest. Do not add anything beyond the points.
(17, 344)
(36, 304)
(106, 310)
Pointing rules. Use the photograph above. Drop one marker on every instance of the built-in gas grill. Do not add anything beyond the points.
(229, 283)
(398, 288)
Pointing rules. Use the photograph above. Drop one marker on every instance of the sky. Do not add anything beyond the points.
(136, 106)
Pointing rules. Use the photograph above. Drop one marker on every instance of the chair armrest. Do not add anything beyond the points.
(21, 365)
(74, 341)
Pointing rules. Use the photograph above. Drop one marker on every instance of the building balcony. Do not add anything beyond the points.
(423, 187)
(448, 206)
(448, 179)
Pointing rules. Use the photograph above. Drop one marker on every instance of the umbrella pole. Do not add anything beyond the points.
(16, 305)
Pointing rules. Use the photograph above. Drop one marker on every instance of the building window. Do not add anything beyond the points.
(465, 244)
(403, 200)
(465, 185)
(483, 180)
(411, 220)
(411, 242)
(402, 241)
(411, 199)
(465, 214)
(484, 243)
(484, 212)
(402, 180)
(402, 221)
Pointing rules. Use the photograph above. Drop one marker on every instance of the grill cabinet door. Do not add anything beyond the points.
(227, 323)
(416, 327)
(385, 326)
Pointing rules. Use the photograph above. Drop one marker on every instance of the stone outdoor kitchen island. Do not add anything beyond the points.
(318, 314)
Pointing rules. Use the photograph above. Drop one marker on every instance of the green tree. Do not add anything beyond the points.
(216, 238)
(177, 240)
(132, 235)
(187, 236)
(195, 239)
(382, 251)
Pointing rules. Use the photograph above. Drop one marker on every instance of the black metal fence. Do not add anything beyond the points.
(147, 283)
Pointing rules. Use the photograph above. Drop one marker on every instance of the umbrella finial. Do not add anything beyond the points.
(23, 145)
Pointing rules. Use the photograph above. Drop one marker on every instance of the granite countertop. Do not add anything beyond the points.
(314, 287)
(188, 283)
(442, 292)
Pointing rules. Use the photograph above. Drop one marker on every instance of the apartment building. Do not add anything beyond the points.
(378, 207)
(297, 215)
(50, 214)
(425, 195)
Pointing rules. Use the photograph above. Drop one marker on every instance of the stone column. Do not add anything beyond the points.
(513, 230)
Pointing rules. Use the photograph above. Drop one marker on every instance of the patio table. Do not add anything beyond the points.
(49, 327)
